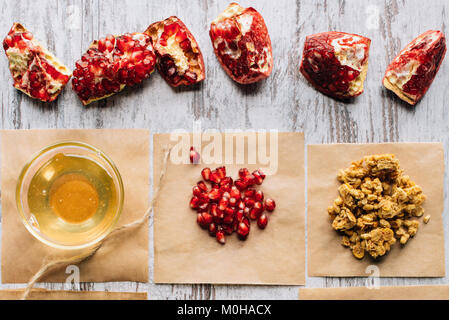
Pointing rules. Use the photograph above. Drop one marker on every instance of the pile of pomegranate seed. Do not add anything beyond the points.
(229, 205)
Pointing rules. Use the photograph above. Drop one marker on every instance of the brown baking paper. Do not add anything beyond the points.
(435, 292)
(123, 257)
(43, 294)
(185, 253)
(422, 256)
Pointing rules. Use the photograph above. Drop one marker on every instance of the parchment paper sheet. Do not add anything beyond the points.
(122, 258)
(435, 292)
(184, 253)
(423, 256)
(42, 294)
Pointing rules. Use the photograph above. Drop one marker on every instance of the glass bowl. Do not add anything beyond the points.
(62, 234)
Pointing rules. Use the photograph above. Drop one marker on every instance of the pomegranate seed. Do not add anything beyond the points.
(232, 202)
(214, 177)
(254, 213)
(235, 192)
(270, 204)
(223, 203)
(196, 191)
(243, 173)
(204, 197)
(204, 219)
(249, 181)
(249, 202)
(262, 221)
(226, 189)
(212, 229)
(240, 184)
(202, 185)
(194, 156)
(241, 205)
(258, 205)
(261, 173)
(27, 35)
(250, 193)
(239, 215)
(206, 174)
(220, 236)
(221, 172)
(226, 181)
(243, 230)
(203, 207)
(214, 194)
(257, 178)
(258, 196)
(228, 229)
(194, 203)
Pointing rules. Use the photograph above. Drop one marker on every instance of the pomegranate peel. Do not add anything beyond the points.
(35, 71)
(412, 71)
(179, 58)
(336, 63)
(242, 44)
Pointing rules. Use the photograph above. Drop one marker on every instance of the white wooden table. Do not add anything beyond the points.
(284, 102)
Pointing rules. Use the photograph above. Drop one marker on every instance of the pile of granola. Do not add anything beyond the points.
(377, 206)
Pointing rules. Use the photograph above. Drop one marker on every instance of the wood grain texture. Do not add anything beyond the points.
(285, 101)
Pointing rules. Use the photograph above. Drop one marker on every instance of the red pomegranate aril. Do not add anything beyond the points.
(204, 219)
(225, 194)
(243, 173)
(257, 178)
(258, 196)
(235, 192)
(221, 172)
(214, 194)
(226, 181)
(212, 229)
(226, 189)
(250, 193)
(243, 230)
(214, 177)
(202, 185)
(239, 215)
(197, 191)
(254, 214)
(205, 173)
(249, 202)
(240, 184)
(194, 202)
(203, 207)
(249, 181)
(220, 236)
(262, 221)
(232, 202)
(223, 203)
(241, 204)
(259, 206)
(270, 204)
(194, 156)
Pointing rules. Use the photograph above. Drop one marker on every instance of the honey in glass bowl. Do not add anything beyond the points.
(72, 199)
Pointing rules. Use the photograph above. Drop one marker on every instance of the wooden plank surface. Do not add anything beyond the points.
(285, 101)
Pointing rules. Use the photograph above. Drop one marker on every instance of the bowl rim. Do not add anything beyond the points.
(36, 156)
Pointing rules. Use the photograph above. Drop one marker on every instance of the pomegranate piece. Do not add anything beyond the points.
(179, 58)
(112, 63)
(194, 156)
(242, 44)
(336, 63)
(411, 73)
(35, 71)
(220, 236)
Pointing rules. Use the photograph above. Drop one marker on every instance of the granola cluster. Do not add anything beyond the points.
(377, 206)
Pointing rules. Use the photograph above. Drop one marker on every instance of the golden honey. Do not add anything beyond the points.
(72, 198)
